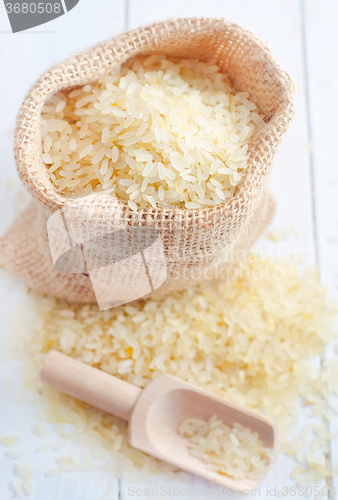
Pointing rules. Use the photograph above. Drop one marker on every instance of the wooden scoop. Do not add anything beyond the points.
(155, 413)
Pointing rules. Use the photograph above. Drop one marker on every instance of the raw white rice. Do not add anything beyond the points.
(249, 340)
(61, 444)
(17, 487)
(235, 451)
(24, 471)
(282, 234)
(14, 454)
(39, 429)
(159, 123)
(28, 487)
(44, 448)
(9, 440)
(53, 472)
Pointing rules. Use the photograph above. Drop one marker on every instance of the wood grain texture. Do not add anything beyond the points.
(89, 384)
(166, 402)
(156, 412)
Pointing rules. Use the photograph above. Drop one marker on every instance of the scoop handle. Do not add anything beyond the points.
(90, 385)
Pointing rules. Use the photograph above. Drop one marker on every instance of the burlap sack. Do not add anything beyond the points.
(197, 243)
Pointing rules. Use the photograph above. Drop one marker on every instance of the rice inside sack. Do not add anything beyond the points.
(196, 241)
(160, 133)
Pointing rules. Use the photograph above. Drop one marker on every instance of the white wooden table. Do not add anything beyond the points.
(303, 36)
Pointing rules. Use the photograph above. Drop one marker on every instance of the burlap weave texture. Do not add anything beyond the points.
(194, 241)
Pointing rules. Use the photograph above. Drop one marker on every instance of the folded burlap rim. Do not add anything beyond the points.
(250, 66)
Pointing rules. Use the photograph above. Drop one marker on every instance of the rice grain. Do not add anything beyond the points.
(175, 117)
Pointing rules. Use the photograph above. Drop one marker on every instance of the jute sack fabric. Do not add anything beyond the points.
(197, 243)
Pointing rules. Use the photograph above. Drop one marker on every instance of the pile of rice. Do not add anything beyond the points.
(159, 133)
(250, 340)
(235, 451)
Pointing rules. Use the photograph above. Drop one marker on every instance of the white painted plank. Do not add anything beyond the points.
(278, 22)
(322, 42)
(18, 418)
(23, 58)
